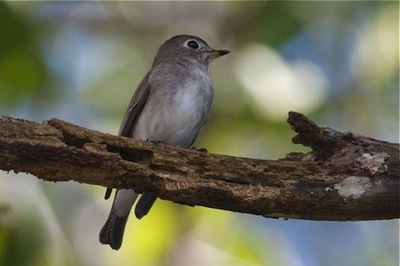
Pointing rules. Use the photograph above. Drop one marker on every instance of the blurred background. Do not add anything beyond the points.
(336, 62)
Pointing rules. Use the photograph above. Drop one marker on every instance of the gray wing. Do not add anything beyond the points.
(135, 107)
(133, 112)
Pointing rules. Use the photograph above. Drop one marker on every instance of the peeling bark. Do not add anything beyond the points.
(344, 177)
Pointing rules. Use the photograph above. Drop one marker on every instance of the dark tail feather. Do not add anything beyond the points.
(108, 193)
(113, 231)
(144, 204)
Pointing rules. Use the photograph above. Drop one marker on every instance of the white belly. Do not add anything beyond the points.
(175, 118)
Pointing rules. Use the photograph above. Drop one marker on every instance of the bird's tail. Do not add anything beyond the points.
(113, 230)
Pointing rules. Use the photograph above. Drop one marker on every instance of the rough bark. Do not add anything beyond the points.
(345, 177)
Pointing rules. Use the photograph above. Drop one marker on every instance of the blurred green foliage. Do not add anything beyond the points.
(23, 72)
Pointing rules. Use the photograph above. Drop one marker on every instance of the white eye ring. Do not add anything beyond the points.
(193, 44)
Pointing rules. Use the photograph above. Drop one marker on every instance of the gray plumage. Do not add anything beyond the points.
(171, 105)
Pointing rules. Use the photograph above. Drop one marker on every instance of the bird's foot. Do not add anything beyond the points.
(156, 142)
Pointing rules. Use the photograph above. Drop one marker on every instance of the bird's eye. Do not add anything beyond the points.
(193, 44)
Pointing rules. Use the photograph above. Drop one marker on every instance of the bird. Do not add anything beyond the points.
(170, 105)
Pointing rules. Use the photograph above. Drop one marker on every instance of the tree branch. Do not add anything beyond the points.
(344, 177)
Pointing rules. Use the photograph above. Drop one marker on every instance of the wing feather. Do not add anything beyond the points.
(135, 108)
(133, 112)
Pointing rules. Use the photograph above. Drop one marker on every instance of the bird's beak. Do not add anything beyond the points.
(217, 53)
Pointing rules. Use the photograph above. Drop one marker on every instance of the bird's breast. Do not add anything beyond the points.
(176, 112)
